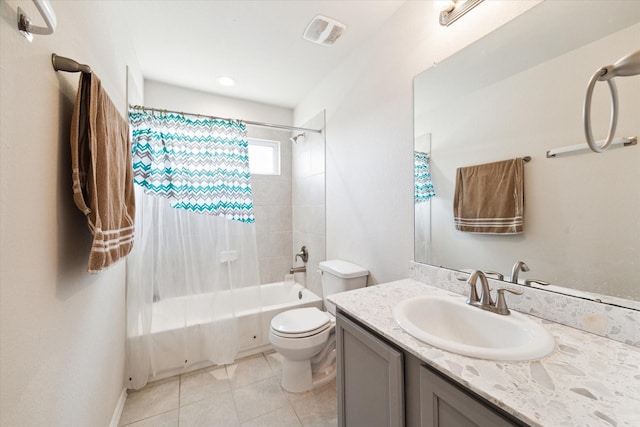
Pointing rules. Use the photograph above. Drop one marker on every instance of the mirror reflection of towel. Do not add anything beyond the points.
(102, 173)
(489, 198)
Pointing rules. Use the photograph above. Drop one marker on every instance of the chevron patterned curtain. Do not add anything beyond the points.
(200, 165)
(423, 186)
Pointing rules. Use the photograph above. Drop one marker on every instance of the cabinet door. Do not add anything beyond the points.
(445, 405)
(369, 380)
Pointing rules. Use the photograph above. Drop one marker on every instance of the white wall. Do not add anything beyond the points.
(272, 195)
(369, 134)
(62, 330)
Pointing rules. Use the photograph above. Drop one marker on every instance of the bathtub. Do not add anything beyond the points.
(170, 328)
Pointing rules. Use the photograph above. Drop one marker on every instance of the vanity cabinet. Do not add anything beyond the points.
(369, 380)
(379, 384)
(443, 404)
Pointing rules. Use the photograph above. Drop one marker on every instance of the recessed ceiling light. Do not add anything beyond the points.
(226, 81)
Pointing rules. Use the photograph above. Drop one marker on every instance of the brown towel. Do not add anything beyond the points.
(102, 173)
(489, 198)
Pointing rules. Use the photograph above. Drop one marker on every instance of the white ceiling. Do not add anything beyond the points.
(259, 43)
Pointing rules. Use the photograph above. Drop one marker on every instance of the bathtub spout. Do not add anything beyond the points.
(302, 269)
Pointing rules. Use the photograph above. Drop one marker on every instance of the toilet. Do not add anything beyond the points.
(305, 337)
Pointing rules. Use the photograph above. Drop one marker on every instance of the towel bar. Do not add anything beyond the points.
(626, 142)
(60, 63)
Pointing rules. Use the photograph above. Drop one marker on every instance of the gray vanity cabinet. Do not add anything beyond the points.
(379, 385)
(443, 404)
(369, 379)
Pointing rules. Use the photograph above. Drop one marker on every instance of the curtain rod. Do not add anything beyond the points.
(248, 122)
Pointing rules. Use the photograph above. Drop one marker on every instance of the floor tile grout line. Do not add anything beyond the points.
(271, 412)
(233, 397)
(290, 401)
(179, 397)
(146, 418)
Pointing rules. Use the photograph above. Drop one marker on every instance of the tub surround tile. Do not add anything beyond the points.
(617, 323)
(280, 218)
(588, 380)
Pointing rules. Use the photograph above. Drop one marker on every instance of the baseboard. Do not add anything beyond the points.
(117, 413)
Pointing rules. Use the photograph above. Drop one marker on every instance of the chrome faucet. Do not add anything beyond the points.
(485, 292)
(517, 267)
(485, 302)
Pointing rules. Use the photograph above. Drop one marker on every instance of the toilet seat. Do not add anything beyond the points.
(301, 334)
(300, 323)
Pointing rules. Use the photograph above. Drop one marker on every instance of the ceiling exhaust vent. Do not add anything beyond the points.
(323, 30)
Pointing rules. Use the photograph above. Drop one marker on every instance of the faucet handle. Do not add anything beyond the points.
(529, 282)
(501, 302)
(304, 254)
(497, 274)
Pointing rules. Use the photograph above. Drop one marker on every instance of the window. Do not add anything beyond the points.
(264, 156)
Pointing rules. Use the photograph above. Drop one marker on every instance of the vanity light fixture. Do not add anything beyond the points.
(456, 9)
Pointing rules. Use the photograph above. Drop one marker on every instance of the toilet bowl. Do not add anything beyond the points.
(305, 337)
(299, 335)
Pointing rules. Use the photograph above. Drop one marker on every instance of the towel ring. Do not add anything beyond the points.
(626, 66)
(586, 112)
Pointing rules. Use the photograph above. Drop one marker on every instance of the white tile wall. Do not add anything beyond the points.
(309, 200)
(290, 209)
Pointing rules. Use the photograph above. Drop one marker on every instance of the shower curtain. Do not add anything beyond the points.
(195, 243)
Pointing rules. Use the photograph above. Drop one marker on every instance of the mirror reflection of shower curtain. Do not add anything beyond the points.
(424, 193)
(186, 268)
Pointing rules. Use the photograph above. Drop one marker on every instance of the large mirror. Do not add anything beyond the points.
(519, 92)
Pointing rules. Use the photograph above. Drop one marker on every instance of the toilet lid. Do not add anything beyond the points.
(300, 320)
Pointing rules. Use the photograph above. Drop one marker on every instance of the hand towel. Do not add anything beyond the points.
(102, 173)
(489, 198)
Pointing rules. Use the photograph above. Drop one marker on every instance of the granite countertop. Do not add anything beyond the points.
(587, 380)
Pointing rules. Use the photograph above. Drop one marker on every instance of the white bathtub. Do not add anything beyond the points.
(253, 313)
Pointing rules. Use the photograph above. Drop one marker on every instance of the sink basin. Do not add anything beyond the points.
(451, 324)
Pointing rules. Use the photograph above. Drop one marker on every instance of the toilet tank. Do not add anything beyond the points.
(340, 276)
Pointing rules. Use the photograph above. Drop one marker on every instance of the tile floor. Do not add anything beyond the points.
(246, 393)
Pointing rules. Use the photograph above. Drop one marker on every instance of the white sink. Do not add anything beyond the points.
(451, 324)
